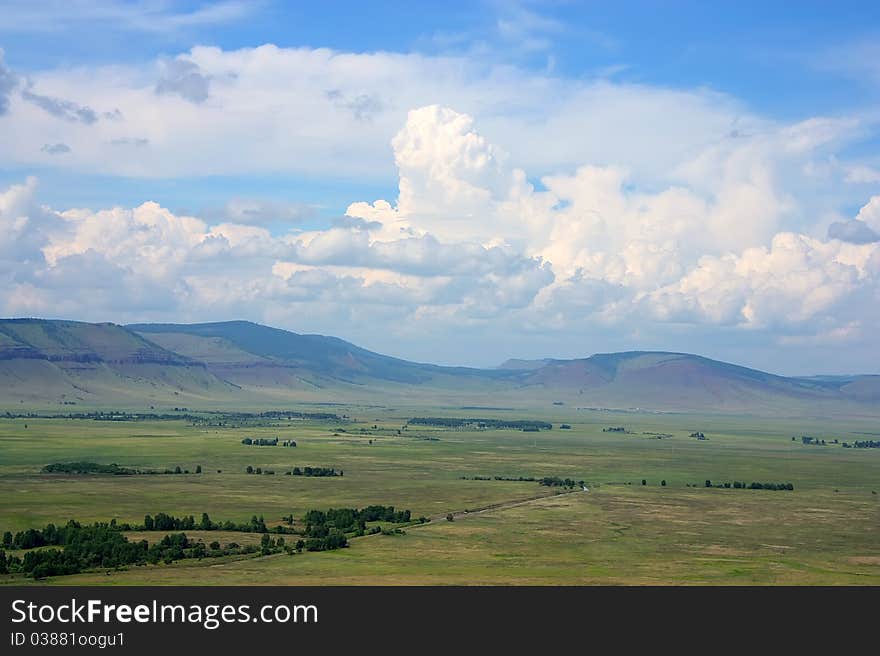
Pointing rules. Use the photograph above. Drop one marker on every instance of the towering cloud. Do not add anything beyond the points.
(468, 240)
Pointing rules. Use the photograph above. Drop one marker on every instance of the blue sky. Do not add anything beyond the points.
(784, 61)
(638, 174)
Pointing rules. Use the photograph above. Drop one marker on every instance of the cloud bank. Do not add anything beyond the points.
(470, 242)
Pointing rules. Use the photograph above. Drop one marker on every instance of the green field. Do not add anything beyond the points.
(826, 531)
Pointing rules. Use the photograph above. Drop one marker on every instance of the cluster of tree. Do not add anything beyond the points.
(555, 481)
(549, 481)
(326, 530)
(113, 415)
(291, 414)
(260, 470)
(530, 479)
(815, 441)
(88, 468)
(263, 441)
(565, 426)
(177, 470)
(699, 435)
(314, 471)
(118, 415)
(31, 538)
(215, 418)
(112, 468)
(866, 444)
(260, 442)
(614, 429)
(468, 422)
(297, 471)
(269, 418)
(163, 522)
(127, 416)
(104, 545)
(742, 485)
(98, 545)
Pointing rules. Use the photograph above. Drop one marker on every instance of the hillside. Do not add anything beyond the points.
(678, 381)
(239, 363)
(74, 363)
(270, 360)
(241, 344)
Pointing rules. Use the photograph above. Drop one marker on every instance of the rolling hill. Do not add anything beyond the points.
(73, 363)
(659, 380)
(240, 345)
(239, 363)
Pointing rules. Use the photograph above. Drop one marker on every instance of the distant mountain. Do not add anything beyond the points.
(864, 388)
(75, 341)
(239, 363)
(71, 362)
(236, 344)
(677, 380)
(249, 353)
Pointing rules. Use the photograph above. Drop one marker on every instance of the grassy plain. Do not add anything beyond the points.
(825, 531)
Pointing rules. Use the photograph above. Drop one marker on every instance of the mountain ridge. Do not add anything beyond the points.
(60, 361)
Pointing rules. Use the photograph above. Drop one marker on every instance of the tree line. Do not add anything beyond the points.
(82, 468)
(296, 471)
(103, 545)
(164, 522)
(326, 530)
(741, 485)
(549, 481)
(181, 413)
(468, 422)
(555, 481)
(264, 441)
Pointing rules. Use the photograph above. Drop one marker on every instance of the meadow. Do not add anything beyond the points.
(825, 531)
